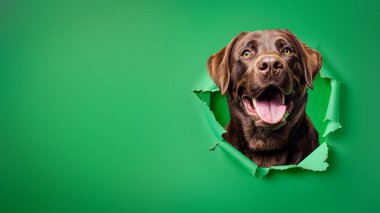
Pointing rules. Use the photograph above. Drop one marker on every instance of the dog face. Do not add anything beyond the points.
(265, 74)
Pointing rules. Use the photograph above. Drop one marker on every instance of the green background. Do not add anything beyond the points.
(97, 113)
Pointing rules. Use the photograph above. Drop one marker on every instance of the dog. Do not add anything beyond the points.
(265, 75)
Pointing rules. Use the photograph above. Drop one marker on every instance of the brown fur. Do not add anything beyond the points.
(291, 140)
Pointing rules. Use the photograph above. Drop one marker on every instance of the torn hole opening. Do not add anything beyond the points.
(322, 108)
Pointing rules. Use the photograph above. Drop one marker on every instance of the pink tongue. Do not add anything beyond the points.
(270, 111)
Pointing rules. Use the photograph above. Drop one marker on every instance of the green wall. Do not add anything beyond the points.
(97, 113)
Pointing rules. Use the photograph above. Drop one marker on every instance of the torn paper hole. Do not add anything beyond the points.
(322, 108)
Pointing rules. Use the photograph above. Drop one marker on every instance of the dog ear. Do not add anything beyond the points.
(218, 66)
(311, 60)
(312, 63)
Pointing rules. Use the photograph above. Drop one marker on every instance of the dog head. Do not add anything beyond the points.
(266, 74)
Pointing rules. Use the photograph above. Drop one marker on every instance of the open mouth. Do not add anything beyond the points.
(271, 106)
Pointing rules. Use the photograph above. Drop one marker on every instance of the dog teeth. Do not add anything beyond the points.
(283, 99)
(254, 102)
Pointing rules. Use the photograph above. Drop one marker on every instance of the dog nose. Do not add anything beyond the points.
(270, 65)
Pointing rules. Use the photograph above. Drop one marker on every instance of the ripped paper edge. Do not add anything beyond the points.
(316, 161)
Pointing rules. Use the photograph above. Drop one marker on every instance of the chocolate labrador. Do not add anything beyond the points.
(265, 75)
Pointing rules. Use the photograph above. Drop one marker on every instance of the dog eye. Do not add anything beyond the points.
(246, 54)
(287, 51)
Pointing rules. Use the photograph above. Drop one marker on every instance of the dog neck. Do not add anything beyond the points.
(268, 147)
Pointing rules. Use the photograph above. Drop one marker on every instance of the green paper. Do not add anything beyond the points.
(238, 156)
(216, 111)
(98, 114)
(332, 114)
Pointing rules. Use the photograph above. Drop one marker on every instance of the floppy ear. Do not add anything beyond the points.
(311, 61)
(218, 66)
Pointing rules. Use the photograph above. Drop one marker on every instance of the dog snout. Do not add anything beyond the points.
(270, 65)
